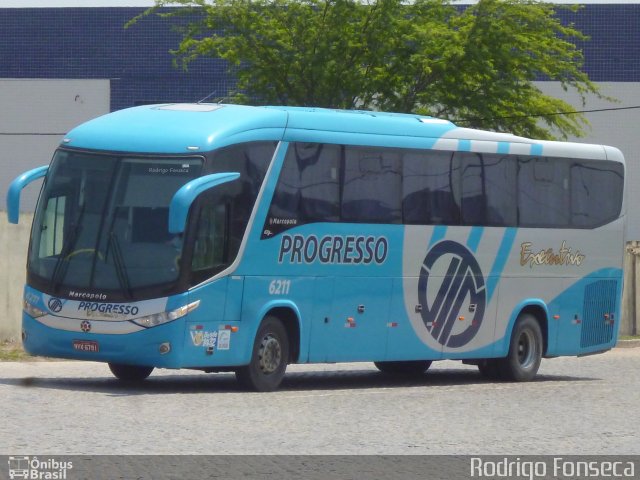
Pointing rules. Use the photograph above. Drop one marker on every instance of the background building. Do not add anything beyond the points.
(66, 61)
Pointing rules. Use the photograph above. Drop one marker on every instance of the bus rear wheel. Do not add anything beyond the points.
(413, 367)
(130, 373)
(525, 351)
(269, 358)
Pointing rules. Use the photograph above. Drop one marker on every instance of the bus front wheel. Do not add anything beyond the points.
(525, 351)
(130, 373)
(269, 358)
(413, 367)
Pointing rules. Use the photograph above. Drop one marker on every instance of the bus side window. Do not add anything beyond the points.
(543, 192)
(372, 188)
(488, 193)
(589, 179)
(427, 197)
(210, 246)
(52, 232)
(319, 182)
(308, 187)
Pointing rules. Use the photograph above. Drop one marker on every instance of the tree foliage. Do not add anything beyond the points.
(475, 65)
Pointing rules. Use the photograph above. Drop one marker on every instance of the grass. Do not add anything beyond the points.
(13, 352)
(629, 337)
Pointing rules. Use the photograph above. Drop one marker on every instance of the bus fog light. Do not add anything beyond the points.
(164, 348)
(164, 317)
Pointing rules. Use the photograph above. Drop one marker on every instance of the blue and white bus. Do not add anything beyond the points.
(236, 238)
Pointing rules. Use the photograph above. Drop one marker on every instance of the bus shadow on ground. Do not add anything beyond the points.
(224, 383)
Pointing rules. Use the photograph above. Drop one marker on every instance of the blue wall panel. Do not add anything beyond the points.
(612, 54)
(89, 43)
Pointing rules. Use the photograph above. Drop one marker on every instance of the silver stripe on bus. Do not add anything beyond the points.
(97, 326)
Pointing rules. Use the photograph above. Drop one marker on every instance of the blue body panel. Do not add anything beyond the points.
(161, 129)
(153, 129)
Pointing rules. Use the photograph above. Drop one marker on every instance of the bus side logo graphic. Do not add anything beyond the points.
(55, 304)
(445, 316)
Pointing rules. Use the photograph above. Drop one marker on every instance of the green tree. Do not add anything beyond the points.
(474, 65)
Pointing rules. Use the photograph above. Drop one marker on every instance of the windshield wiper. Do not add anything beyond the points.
(59, 272)
(118, 262)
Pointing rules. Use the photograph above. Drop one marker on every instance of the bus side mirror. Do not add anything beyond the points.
(186, 195)
(13, 195)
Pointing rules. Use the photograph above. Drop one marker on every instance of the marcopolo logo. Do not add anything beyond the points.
(55, 304)
(452, 293)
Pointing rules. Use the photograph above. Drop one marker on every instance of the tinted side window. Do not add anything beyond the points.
(308, 188)
(596, 192)
(333, 183)
(372, 188)
(251, 160)
(543, 192)
(427, 196)
(488, 189)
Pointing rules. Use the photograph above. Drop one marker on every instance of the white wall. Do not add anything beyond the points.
(13, 248)
(35, 116)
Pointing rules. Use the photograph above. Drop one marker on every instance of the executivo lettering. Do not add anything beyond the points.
(565, 256)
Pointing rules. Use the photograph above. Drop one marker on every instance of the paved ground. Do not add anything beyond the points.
(577, 406)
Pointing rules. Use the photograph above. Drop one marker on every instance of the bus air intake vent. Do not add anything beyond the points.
(599, 308)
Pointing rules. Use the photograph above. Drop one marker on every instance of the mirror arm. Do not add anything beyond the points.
(186, 195)
(13, 195)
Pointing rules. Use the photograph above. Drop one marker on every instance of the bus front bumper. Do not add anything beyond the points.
(147, 347)
(178, 344)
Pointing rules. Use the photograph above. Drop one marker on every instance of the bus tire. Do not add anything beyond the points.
(412, 367)
(130, 373)
(525, 351)
(269, 358)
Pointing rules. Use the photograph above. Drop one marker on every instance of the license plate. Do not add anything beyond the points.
(86, 346)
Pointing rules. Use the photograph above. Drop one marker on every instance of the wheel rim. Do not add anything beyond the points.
(527, 350)
(270, 354)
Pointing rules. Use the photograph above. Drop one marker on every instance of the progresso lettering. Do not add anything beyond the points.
(113, 308)
(333, 249)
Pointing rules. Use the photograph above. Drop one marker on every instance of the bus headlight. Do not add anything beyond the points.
(32, 311)
(164, 317)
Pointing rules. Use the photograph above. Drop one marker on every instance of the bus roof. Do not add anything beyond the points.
(191, 128)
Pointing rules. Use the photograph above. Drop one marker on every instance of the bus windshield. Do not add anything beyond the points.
(101, 222)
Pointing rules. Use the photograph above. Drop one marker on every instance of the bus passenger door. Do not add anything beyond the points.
(355, 328)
